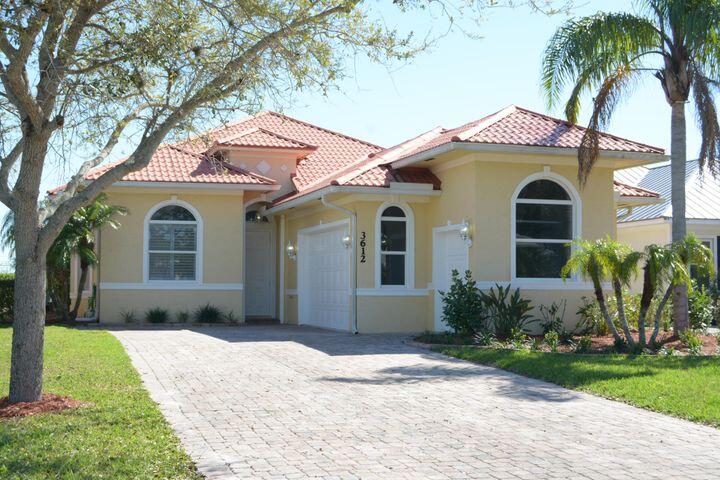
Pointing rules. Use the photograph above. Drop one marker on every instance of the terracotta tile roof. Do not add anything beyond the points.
(173, 164)
(521, 127)
(334, 151)
(262, 138)
(382, 176)
(632, 191)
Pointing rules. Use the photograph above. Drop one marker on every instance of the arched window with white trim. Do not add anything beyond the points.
(545, 222)
(172, 243)
(395, 244)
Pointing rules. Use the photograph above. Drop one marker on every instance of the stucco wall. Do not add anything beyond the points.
(121, 283)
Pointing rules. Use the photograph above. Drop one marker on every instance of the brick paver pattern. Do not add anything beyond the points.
(272, 402)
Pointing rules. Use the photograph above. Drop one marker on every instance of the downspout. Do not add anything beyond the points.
(353, 262)
(281, 255)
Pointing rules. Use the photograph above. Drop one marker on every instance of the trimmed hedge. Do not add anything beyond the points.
(7, 290)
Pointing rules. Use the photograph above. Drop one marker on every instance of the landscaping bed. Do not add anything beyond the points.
(117, 432)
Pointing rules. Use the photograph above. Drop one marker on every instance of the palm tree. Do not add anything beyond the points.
(590, 260)
(622, 262)
(678, 42)
(78, 236)
(84, 225)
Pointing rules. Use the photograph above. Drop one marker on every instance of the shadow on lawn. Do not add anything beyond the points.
(575, 370)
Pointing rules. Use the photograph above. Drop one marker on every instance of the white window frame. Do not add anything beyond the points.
(409, 245)
(576, 203)
(198, 242)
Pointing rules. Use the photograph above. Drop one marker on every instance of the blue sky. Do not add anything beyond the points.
(461, 79)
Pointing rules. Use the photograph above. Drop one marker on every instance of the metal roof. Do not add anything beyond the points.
(702, 192)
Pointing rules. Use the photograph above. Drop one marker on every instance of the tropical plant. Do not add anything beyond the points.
(692, 341)
(507, 312)
(583, 344)
(183, 316)
(128, 316)
(590, 259)
(701, 307)
(552, 338)
(553, 317)
(463, 309)
(157, 315)
(676, 41)
(208, 314)
(83, 227)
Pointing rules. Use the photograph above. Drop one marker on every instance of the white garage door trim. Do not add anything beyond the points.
(440, 237)
(303, 281)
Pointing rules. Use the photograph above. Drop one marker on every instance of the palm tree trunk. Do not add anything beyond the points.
(80, 288)
(617, 287)
(600, 295)
(645, 302)
(677, 177)
(658, 314)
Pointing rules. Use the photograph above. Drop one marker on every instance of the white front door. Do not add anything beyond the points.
(259, 270)
(324, 277)
(449, 252)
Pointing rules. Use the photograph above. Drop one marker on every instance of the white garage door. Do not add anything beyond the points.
(324, 266)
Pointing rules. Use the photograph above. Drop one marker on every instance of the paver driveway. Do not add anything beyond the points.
(291, 402)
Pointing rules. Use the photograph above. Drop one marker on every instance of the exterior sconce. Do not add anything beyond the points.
(347, 241)
(466, 233)
(291, 251)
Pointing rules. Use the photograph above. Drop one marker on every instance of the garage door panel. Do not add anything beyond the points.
(324, 293)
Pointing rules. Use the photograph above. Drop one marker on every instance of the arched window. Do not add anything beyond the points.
(172, 243)
(545, 224)
(395, 246)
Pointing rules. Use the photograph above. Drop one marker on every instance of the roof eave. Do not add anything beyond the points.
(198, 185)
(524, 149)
(395, 188)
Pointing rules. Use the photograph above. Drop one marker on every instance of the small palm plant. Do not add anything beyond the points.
(590, 259)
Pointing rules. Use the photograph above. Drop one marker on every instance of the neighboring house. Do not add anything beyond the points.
(644, 225)
(275, 217)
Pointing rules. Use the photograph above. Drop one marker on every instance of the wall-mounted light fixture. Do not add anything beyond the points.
(347, 241)
(466, 233)
(291, 251)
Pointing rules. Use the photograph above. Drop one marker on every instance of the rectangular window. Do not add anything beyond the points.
(172, 251)
(540, 260)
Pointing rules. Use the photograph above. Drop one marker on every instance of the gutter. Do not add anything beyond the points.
(353, 262)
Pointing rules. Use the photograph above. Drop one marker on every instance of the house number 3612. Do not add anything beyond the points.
(363, 243)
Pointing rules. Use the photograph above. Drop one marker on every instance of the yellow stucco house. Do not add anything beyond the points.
(272, 217)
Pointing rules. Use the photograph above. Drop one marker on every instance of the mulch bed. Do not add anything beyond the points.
(50, 403)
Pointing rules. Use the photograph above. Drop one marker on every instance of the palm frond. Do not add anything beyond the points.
(595, 47)
(707, 120)
(609, 96)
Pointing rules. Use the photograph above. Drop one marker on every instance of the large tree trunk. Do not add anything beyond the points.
(677, 169)
(26, 362)
(28, 332)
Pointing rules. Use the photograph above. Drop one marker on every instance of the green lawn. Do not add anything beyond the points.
(121, 436)
(686, 387)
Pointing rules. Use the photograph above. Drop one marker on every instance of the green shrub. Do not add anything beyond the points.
(230, 317)
(518, 338)
(128, 316)
(584, 344)
(183, 316)
(553, 317)
(157, 315)
(7, 296)
(463, 309)
(592, 321)
(208, 314)
(552, 338)
(692, 341)
(505, 311)
(701, 307)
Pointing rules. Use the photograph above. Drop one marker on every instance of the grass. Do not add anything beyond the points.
(121, 435)
(686, 387)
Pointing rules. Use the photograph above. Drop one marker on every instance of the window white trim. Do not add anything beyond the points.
(198, 243)
(409, 245)
(576, 203)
